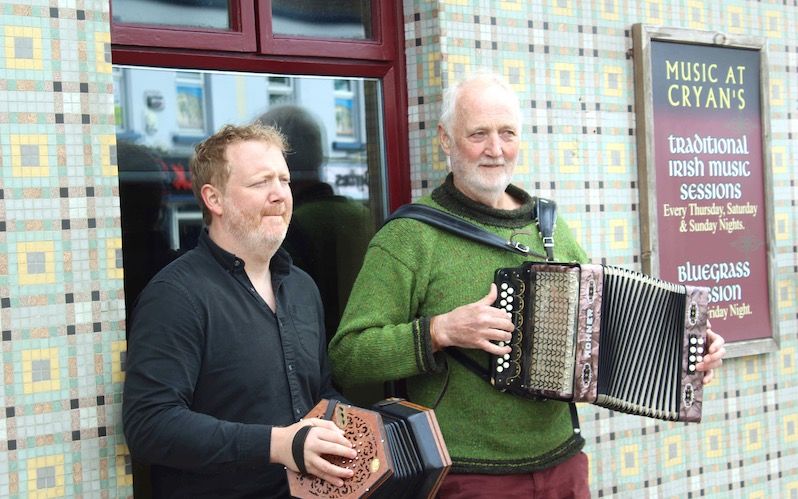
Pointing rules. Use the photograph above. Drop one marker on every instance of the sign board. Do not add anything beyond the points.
(703, 163)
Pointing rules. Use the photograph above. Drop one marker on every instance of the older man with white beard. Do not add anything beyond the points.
(227, 349)
(422, 289)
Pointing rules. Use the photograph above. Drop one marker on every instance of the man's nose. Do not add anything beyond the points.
(493, 147)
(279, 193)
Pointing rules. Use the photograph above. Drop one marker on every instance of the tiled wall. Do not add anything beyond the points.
(61, 301)
(61, 304)
(570, 62)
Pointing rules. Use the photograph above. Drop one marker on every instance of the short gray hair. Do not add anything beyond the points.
(452, 93)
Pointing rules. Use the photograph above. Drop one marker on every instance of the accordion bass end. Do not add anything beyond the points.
(603, 335)
(401, 452)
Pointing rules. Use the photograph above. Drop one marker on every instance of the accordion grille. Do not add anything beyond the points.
(554, 324)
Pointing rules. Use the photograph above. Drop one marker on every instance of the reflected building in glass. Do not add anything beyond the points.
(162, 113)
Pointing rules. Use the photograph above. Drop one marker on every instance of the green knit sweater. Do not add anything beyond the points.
(413, 271)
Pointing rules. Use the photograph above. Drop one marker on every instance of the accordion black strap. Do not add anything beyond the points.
(468, 362)
(456, 225)
(545, 215)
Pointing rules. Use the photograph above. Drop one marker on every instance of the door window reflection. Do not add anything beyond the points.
(345, 19)
(184, 13)
(338, 191)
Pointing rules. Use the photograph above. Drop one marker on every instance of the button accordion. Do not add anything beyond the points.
(603, 335)
(400, 452)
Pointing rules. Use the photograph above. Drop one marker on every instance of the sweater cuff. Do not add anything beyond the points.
(427, 361)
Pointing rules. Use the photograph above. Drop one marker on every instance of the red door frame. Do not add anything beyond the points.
(235, 50)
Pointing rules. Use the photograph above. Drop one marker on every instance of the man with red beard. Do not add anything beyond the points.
(227, 349)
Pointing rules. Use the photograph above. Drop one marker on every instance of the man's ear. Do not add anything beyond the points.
(444, 139)
(212, 199)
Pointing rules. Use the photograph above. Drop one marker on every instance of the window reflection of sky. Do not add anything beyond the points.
(307, 20)
(198, 13)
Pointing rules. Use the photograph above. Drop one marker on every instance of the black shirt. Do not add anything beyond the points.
(210, 368)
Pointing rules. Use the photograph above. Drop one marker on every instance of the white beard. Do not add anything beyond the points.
(486, 183)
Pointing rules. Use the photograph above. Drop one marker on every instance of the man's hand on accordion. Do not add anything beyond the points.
(714, 356)
(301, 445)
(476, 325)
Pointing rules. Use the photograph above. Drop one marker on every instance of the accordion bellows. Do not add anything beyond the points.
(401, 452)
(603, 335)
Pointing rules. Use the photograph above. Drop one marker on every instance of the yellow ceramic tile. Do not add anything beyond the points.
(109, 167)
(613, 81)
(113, 258)
(565, 78)
(102, 52)
(714, 443)
(619, 233)
(118, 351)
(609, 10)
(616, 157)
(562, 7)
(672, 452)
(653, 12)
(22, 147)
(568, 157)
(40, 370)
(695, 14)
(36, 262)
(45, 477)
(734, 19)
(752, 436)
(16, 36)
(630, 460)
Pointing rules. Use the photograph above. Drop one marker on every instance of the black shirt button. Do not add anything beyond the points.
(298, 411)
(290, 367)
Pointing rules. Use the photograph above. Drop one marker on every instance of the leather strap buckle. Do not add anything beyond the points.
(522, 248)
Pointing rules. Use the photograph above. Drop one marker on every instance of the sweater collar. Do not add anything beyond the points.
(455, 201)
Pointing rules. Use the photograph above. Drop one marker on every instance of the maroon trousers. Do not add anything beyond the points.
(567, 480)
